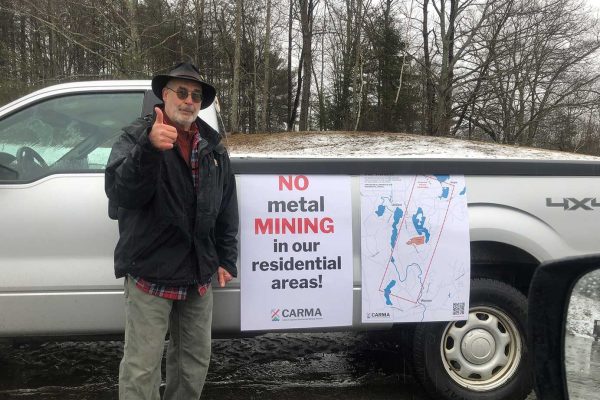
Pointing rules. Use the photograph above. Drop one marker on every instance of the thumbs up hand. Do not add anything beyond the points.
(162, 136)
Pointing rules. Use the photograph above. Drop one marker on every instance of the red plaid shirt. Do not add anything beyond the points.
(167, 292)
(186, 140)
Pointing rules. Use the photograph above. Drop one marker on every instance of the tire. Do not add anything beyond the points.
(483, 358)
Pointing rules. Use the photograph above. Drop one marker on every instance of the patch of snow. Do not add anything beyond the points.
(381, 145)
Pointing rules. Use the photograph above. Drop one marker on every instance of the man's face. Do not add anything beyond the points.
(182, 112)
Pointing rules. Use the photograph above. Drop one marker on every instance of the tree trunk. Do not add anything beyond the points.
(298, 92)
(253, 100)
(444, 106)
(290, 125)
(428, 85)
(357, 70)
(235, 94)
(265, 91)
(347, 62)
(322, 122)
(306, 19)
(23, 52)
(134, 61)
(199, 55)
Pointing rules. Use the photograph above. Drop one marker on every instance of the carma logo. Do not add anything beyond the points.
(295, 314)
(302, 313)
(378, 315)
(275, 315)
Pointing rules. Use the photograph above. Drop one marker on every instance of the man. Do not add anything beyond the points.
(169, 180)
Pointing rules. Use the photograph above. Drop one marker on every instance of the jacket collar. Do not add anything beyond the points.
(210, 135)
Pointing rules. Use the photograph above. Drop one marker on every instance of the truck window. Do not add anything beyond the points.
(65, 134)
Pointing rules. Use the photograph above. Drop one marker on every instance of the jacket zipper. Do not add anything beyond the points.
(193, 219)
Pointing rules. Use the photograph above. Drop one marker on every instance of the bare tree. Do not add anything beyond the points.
(235, 93)
(291, 113)
(199, 57)
(307, 8)
(513, 71)
(456, 24)
(345, 35)
(265, 92)
(542, 64)
(427, 73)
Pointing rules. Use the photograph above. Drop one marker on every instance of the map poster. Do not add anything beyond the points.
(296, 251)
(414, 248)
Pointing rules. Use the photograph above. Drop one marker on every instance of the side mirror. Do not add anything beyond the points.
(564, 328)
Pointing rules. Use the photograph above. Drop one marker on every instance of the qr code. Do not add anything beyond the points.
(458, 308)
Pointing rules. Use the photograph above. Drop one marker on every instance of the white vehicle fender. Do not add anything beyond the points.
(515, 227)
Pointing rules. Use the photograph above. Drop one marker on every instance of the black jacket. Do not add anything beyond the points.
(170, 233)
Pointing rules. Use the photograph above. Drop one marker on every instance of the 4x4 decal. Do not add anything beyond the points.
(570, 203)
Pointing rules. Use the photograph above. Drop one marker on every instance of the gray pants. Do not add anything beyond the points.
(147, 319)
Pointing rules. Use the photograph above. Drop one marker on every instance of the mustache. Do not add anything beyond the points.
(188, 109)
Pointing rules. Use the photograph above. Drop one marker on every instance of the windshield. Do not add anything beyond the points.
(64, 134)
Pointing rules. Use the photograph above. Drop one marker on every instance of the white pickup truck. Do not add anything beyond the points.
(525, 207)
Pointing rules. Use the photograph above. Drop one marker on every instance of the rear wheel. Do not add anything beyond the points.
(484, 357)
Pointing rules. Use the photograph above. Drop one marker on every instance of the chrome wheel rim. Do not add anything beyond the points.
(484, 351)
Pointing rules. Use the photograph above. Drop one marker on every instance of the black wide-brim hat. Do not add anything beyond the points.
(189, 72)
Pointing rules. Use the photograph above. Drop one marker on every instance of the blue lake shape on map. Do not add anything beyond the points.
(387, 291)
(463, 191)
(442, 178)
(445, 192)
(419, 224)
(380, 210)
(397, 215)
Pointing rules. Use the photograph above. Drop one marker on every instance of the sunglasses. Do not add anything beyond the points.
(182, 94)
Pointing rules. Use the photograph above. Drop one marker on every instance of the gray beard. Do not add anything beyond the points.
(184, 122)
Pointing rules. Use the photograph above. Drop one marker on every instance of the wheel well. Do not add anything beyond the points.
(503, 262)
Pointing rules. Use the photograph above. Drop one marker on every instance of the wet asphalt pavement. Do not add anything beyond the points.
(582, 367)
(349, 366)
(297, 366)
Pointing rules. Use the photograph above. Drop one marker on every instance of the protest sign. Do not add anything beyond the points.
(296, 251)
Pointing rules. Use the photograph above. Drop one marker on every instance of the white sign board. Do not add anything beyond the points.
(414, 248)
(296, 251)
